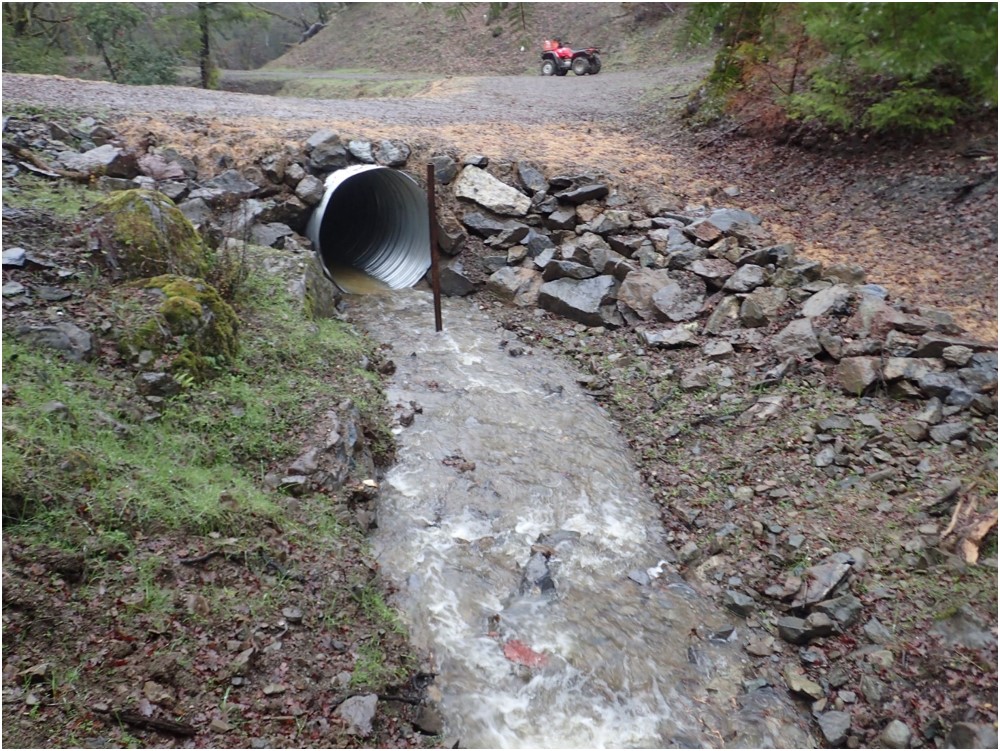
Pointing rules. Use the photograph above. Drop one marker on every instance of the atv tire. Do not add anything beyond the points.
(595, 65)
(548, 67)
(580, 66)
(560, 71)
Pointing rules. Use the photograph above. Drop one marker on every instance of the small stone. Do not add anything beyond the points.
(835, 726)
(274, 689)
(873, 689)
(845, 610)
(640, 577)
(793, 630)
(429, 721)
(949, 431)
(359, 712)
(219, 725)
(956, 354)
(292, 614)
(718, 349)
(799, 683)
(14, 257)
(876, 632)
(970, 735)
(738, 602)
(688, 552)
(763, 647)
(896, 734)
(881, 657)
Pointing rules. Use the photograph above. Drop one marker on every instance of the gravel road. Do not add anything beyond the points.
(528, 100)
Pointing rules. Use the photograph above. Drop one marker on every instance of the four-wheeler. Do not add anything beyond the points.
(558, 60)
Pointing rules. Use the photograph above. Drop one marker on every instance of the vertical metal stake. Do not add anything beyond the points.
(435, 274)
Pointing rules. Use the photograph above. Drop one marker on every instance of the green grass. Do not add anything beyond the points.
(64, 200)
(198, 467)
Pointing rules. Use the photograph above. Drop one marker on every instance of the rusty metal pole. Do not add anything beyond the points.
(435, 273)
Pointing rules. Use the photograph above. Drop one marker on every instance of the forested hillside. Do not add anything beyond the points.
(485, 39)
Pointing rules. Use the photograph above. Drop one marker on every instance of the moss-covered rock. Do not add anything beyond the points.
(178, 324)
(144, 234)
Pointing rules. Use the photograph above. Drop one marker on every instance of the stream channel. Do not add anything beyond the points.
(530, 560)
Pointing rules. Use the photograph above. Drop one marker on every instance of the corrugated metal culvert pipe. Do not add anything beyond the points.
(373, 219)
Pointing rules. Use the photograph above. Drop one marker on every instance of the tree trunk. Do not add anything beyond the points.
(205, 52)
(107, 62)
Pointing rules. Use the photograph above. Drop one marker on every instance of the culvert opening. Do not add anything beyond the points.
(372, 222)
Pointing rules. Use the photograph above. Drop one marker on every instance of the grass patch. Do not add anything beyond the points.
(63, 200)
(359, 88)
(81, 458)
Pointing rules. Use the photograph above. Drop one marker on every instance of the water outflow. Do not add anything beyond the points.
(511, 524)
(373, 219)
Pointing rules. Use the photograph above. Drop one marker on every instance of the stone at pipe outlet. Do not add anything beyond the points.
(481, 187)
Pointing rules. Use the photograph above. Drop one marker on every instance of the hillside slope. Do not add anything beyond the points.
(433, 38)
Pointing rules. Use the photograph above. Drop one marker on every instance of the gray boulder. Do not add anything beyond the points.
(361, 150)
(638, 289)
(270, 235)
(359, 713)
(727, 219)
(392, 153)
(531, 178)
(481, 187)
(64, 337)
(678, 336)
(557, 269)
(319, 138)
(328, 156)
(445, 168)
(105, 160)
(583, 193)
(681, 298)
(856, 374)
(589, 301)
(726, 312)
(487, 227)
(835, 726)
(715, 271)
(612, 220)
(746, 279)
(762, 306)
(797, 339)
(310, 190)
(232, 184)
(561, 219)
(833, 300)
(519, 285)
(455, 281)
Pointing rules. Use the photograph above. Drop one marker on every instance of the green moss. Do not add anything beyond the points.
(183, 322)
(144, 234)
(182, 314)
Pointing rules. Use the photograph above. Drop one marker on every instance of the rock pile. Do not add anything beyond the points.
(573, 245)
(716, 279)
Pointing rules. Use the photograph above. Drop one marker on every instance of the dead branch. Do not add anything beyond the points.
(968, 548)
(199, 558)
(37, 162)
(150, 723)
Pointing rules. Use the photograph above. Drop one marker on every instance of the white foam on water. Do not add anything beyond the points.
(549, 468)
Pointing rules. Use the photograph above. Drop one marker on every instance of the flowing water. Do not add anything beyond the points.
(511, 524)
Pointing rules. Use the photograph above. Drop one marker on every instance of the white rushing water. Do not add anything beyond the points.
(525, 557)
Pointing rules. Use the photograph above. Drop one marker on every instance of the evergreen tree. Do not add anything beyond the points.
(856, 66)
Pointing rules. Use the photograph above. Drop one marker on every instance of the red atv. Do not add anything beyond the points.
(558, 60)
